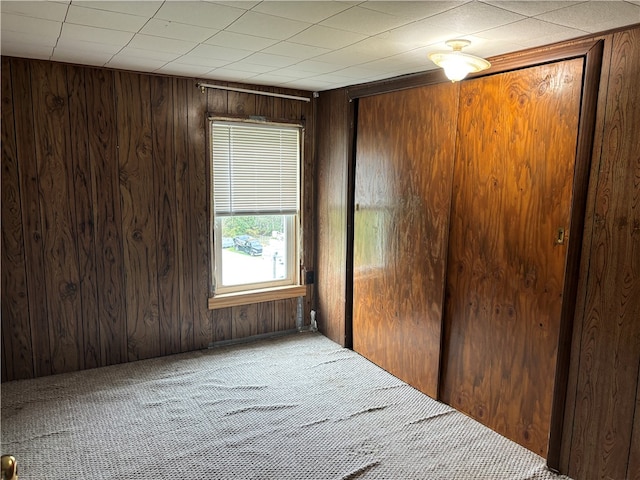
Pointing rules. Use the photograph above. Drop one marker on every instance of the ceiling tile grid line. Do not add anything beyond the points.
(308, 45)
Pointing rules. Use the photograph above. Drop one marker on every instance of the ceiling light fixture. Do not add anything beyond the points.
(456, 64)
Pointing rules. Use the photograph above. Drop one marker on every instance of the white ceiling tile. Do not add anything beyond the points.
(419, 34)
(30, 25)
(261, 25)
(277, 61)
(198, 62)
(240, 41)
(236, 3)
(144, 8)
(378, 47)
(474, 17)
(310, 84)
(531, 8)
(412, 10)
(105, 19)
(79, 46)
(529, 31)
(28, 39)
(138, 64)
(80, 57)
(46, 10)
(27, 50)
(326, 37)
(94, 34)
(356, 72)
(171, 45)
(363, 20)
(295, 50)
(178, 31)
(164, 57)
(174, 68)
(312, 11)
(245, 66)
(221, 53)
(229, 74)
(202, 14)
(594, 16)
(272, 78)
(311, 67)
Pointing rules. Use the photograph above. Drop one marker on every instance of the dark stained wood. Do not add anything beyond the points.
(505, 273)
(31, 223)
(404, 171)
(135, 147)
(16, 344)
(308, 216)
(85, 219)
(199, 212)
(606, 397)
(183, 214)
(331, 213)
(241, 103)
(162, 115)
(110, 193)
(111, 314)
(582, 171)
(57, 211)
(633, 469)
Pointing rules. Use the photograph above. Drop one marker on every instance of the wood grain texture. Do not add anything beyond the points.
(505, 273)
(162, 116)
(83, 198)
(607, 385)
(111, 314)
(331, 213)
(16, 345)
(404, 170)
(135, 147)
(57, 213)
(105, 218)
(633, 469)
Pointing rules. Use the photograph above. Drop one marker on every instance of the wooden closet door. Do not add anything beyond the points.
(404, 167)
(513, 179)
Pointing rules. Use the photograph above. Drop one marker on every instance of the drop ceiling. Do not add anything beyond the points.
(308, 45)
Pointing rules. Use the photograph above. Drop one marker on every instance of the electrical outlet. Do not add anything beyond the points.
(309, 277)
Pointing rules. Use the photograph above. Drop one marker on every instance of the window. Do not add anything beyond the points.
(256, 203)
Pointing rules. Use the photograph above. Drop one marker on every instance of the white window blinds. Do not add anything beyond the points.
(255, 168)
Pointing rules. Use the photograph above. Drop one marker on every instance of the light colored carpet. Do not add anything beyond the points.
(297, 407)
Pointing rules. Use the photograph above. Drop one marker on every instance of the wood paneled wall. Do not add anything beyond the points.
(332, 200)
(602, 415)
(601, 438)
(105, 244)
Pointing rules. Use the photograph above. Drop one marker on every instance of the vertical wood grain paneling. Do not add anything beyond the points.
(633, 469)
(16, 343)
(111, 314)
(606, 393)
(404, 171)
(331, 215)
(162, 117)
(199, 212)
(57, 213)
(135, 147)
(83, 198)
(505, 273)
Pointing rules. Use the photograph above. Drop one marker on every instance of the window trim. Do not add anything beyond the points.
(271, 293)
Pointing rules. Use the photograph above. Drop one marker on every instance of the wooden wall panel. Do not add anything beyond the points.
(606, 394)
(16, 346)
(111, 314)
(57, 213)
(105, 218)
(331, 216)
(505, 273)
(404, 171)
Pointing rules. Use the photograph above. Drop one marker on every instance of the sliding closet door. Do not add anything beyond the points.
(512, 194)
(404, 168)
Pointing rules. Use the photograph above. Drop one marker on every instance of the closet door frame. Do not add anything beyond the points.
(591, 51)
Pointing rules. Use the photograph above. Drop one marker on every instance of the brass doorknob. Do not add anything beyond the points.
(9, 468)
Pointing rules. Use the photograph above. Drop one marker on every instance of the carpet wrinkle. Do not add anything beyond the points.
(360, 472)
(200, 411)
(431, 417)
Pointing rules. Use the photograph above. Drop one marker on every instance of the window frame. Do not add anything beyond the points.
(262, 291)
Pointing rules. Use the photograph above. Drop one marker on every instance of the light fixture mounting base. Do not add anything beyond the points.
(457, 44)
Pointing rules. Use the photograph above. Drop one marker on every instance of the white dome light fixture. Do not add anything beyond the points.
(456, 64)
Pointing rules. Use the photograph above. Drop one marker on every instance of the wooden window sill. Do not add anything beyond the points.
(226, 300)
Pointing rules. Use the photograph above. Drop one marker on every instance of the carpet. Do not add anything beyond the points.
(295, 407)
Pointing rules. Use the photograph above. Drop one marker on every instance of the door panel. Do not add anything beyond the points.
(404, 166)
(513, 181)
